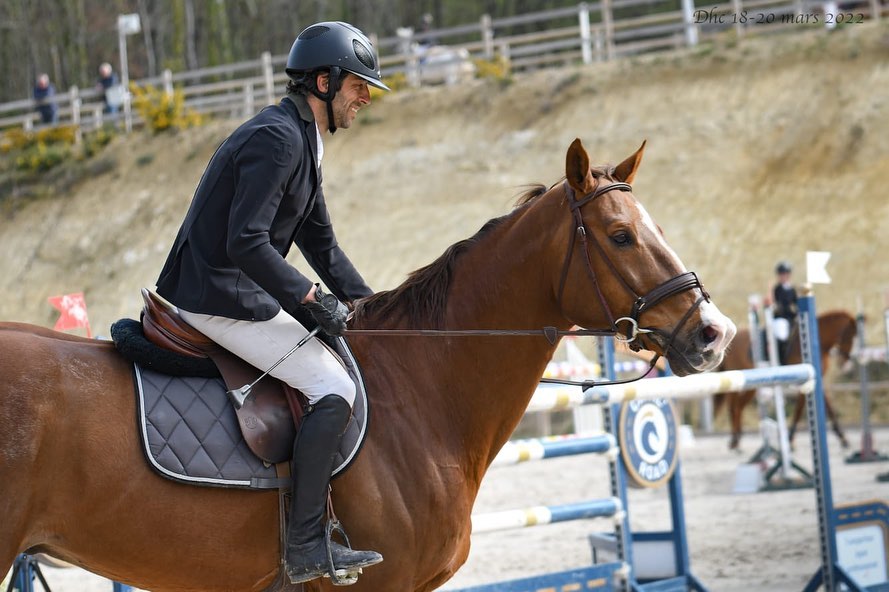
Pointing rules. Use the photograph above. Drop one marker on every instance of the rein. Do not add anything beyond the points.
(678, 284)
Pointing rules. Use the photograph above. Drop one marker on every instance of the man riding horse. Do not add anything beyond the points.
(228, 275)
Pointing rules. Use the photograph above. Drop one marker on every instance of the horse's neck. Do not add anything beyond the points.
(500, 283)
(839, 333)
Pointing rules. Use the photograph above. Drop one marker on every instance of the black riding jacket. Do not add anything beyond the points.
(261, 193)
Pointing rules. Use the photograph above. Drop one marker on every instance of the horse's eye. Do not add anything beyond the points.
(621, 239)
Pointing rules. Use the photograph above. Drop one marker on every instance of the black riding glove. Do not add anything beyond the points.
(329, 312)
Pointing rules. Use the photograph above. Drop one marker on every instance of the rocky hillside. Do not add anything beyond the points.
(758, 150)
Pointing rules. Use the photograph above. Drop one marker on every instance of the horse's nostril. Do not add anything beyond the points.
(709, 334)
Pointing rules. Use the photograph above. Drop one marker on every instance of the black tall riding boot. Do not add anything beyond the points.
(314, 453)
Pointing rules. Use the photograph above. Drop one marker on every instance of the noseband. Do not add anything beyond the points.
(676, 285)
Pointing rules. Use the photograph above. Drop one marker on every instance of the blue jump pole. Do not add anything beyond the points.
(830, 575)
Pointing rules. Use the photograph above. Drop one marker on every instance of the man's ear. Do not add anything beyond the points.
(322, 81)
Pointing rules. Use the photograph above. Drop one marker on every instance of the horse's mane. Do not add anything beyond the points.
(421, 299)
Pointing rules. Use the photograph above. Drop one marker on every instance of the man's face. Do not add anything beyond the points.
(348, 100)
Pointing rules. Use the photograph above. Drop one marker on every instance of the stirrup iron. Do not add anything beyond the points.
(338, 577)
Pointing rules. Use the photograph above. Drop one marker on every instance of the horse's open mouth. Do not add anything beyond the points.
(696, 352)
(683, 364)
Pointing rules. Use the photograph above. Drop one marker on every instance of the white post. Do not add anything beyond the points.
(248, 100)
(597, 43)
(411, 63)
(783, 440)
(268, 75)
(736, 8)
(586, 46)
(487, 36)
(127, 24)
(691, 30)
(74, 94)
(124, 76)
(168, 82)
(608, 23)
(876, 9)
(754, 312)
(831, 8)
(505, 56)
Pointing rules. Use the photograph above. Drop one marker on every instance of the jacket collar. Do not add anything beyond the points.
(302, 106)
(308, 117)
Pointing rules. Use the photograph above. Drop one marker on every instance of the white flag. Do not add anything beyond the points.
(816, 262)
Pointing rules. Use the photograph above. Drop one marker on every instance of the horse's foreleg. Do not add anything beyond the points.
(831, 414)
(11, 529)
(735, 419)
(737, 403)
(835, 422)
(797, 414)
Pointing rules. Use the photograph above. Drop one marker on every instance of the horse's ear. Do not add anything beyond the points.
(577, 168)
(626, 170)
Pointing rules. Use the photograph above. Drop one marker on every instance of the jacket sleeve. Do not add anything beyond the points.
(263, 167)
(317, 242)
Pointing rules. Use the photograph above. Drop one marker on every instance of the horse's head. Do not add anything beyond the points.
(619, 270)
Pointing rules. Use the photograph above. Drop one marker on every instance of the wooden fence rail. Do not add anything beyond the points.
(589, 32)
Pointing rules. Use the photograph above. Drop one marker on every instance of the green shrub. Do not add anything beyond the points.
(42, 156)
(93, 142)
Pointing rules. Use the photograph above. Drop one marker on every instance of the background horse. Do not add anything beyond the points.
(74, 483)
(836, 330)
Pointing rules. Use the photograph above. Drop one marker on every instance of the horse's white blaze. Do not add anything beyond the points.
(711, 316)
(648, 222)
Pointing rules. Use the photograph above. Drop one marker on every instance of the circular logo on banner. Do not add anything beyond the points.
(648, 441)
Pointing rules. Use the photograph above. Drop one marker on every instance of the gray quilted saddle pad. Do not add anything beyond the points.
(190, 433)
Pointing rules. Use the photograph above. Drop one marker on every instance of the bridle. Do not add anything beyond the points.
(676, 285)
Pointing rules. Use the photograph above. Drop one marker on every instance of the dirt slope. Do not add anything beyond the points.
(758, 150)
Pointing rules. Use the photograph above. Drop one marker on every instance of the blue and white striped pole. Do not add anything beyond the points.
(540, 515)
(521, 451)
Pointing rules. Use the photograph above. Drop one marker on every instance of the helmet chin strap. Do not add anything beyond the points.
(332, 82)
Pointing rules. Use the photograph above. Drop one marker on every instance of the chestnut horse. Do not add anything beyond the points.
(836, 331)
(74, 484)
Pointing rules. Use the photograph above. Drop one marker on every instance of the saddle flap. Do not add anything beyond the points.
(164, 328)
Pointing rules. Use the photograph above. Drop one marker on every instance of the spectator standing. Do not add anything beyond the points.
(109, 85)
(45, 100)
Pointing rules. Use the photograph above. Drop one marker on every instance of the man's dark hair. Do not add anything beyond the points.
(305, 83)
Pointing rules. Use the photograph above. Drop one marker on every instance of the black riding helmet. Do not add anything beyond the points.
(783, 267)
(337, 47)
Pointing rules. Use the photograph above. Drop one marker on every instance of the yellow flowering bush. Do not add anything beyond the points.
(496, 69)
(41, 150)
(162, 111)
(38, 151)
